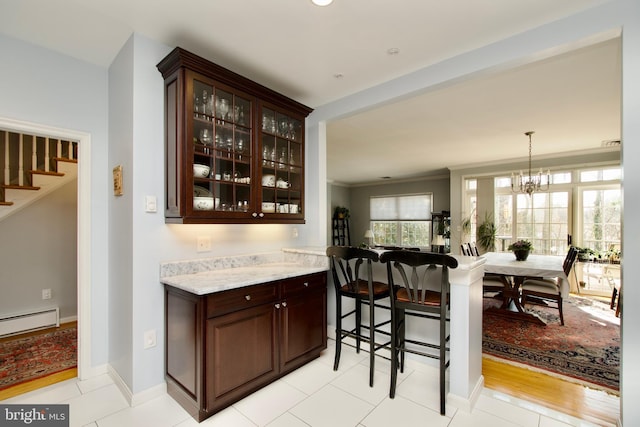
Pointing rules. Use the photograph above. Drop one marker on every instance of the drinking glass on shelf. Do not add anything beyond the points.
(224, 108)
(205, 100)
(205, 136)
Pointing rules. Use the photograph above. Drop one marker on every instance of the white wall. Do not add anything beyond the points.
(591, 26)
(38, 251)
(44, 87)
(121, 258)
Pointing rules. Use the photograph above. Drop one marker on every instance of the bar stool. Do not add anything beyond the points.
(352, 273)
(423, 291)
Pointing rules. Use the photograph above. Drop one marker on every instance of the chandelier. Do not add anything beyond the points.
(531, 183)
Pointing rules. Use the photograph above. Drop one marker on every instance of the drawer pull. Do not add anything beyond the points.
(247, 297)
(277, 305)
(306, 284)
(284, 304)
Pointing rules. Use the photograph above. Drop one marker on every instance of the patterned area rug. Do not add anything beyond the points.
(32, 357)
(586, 350)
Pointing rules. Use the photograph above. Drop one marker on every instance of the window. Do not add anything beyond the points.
(601, 213)
(542, 218)
(401, 220)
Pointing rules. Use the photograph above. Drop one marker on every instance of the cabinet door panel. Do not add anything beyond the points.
(183, 348)
(240, 352)
(304, 320)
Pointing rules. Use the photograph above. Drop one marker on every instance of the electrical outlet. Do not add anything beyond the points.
(46, 294)
(203, 244)
(150, 339)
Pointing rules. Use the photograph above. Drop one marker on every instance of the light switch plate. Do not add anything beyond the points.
(151, 204)
(150, 338)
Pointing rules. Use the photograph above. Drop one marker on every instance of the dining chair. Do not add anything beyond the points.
(491, 283)
(419, 287)
(352, 272)
(548, 289)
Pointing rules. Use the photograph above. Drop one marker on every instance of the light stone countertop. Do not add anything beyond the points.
(205, 276)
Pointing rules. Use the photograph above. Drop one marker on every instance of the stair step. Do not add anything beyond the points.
(64, 159)
(50, 173)
(20, 187)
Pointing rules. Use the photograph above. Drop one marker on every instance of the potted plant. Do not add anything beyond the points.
(585, 254)
(487, 233)
(341, 212)
(521, 249)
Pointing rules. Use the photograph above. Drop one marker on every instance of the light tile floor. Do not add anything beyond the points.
(313, 395)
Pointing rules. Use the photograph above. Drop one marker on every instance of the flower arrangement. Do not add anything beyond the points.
(521, 245)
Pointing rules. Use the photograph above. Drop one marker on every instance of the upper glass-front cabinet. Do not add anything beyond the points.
(234, 149)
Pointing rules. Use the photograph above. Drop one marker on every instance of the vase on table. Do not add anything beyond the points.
(521, 254)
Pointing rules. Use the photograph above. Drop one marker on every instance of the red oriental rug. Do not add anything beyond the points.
(27, 358)
(586, 350)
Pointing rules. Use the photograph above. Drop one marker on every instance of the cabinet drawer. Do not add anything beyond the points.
(241, 298)
(301, 284)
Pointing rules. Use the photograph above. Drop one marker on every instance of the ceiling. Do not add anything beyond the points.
(320, 54)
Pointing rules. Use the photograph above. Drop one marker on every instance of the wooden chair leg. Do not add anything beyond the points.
(560, 309)
(358, 322)
(336, 361)
(394, 353)
(372, 344)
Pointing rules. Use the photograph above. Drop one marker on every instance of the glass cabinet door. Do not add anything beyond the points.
(281, 163)
(222, 150)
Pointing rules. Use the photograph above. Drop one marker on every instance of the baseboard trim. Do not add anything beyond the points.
(137, 398)
(467, 404)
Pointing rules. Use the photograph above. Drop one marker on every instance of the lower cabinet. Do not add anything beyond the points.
(223, 346)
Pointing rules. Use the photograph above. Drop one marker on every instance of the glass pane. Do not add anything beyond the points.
(609, 174)
(503, 182)
(471, 184)
(561, 178)
(601, 216)
(589, 176)
(416, 233)
(385, 233)
(543, 219)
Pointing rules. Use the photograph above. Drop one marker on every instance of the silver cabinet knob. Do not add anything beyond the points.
(284, 304)
(247, 297)
(261, 215)
(306, 284)
(255, 215)
(277, 305)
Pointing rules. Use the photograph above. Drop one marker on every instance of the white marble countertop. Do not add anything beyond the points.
(209, 275)
(231, 278)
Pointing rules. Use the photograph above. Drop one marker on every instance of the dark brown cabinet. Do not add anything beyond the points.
(234, 149)
(223, 346)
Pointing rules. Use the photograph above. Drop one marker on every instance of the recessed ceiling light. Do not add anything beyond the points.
(393, 51)
(322, 2)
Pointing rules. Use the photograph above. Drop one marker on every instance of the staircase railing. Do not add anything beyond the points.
(22, 154)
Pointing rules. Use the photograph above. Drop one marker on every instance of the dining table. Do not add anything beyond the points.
(505, 263)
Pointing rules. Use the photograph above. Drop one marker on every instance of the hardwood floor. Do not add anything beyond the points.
(588, 404)
(28, 386)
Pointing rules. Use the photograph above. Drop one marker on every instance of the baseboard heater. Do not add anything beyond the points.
(25, 322)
